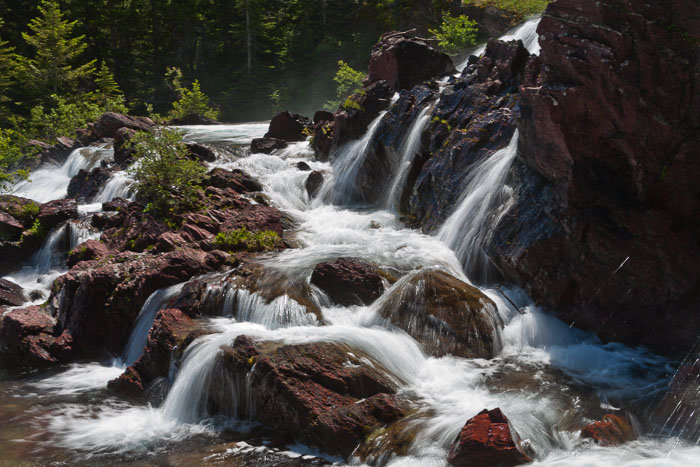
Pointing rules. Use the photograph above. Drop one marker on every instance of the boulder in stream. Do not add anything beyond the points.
(444, 314)
(287, 126)
(107, 125)
(54, 212)
(266, 145)
(11, 294)
(610, 431)
(348, 281)
(487, 439)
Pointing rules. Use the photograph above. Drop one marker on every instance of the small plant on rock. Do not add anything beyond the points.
(243, 239)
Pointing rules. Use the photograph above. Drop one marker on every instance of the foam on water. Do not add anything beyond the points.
(79, 378)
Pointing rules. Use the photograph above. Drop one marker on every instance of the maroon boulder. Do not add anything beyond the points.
(266, 145)
(201, 152)
(348, 281)
(86, 251)
(10, 228)
(487, 439)
(288, 127)
(108, 124)
(610, 431)
(404, 61)
(54, 212)
(11, 294)
(354, 117)
(235, 179)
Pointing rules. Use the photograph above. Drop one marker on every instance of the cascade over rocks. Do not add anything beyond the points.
(487, 439)
(348, 281)
(473, 119)
(404, 61)
(86, 185)
(323, 394)
(606, 224)
(352, 118)
(444, 314)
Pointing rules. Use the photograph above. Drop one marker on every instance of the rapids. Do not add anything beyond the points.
(549, 378)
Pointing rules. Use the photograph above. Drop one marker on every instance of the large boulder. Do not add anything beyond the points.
(88, 251)
(348, 281)
(86, 185)
(107, 125)
(403, 61)
(323, 394)
(235, 179)
(266, 145)
(313, 183)
(54, 212)
(288, 127)
(487, 439)
(10, 228)
(605, 226)
(11, 294)
(201, 152)
(444, 314)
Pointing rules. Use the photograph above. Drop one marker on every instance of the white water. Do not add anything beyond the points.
(240, 134)
(484, 201)
(408, 151)
(526, 32)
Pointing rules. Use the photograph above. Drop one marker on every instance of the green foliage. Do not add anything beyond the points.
(28, 213)
(243, 239)
(521, 7)
(165, 178)
(107, 93)
(352, 104)
(53, 70)
(10, 156)
(38, 229)
(456, 34)
(7, 70)
(348, 82)
(192, 103)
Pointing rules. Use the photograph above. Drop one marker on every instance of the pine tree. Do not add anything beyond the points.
(52, 71)
(107, 90)
(7, 66)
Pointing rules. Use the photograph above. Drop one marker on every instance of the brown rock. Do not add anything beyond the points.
(85, 185)
(201, 152)
(610, 431)
(288, 127)
(122, 146)
(87, 251)
(348, 281)
(54, 212)
(266, 145)
(10, 228)
(11, 294)
(108, 124)
(446, 315)
(235, 179)
(487, 439)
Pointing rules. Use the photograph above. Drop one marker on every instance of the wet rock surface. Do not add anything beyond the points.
(610, 431)
(487, 439)
(348, 281)
(313, 183)
(605, 223)
(266, 145)
(11, 294)
(54, 212)
(322, 394)
(444, 314)
(404, 61)
(287, 126)
(86, 185)
(352, 118)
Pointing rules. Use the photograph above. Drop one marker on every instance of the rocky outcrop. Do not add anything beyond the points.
(606, 222)
(107, 125)
(404, 61)
(358, 111)
(348, 281)
(54, 212)
(11, 294)
(235, 179)
(444, 314)
(610, 431)
(288, 127)
(323, 394)
(487, 439)
(200, 152)
(87, 251)
(29, 339)
(473, 119)
(123, 150)
(86, 185)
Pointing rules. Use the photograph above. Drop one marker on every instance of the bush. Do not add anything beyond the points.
(243, 239)
(10, 156)
(166, 179)
(456, 34)
(193, 102)
(348, 82)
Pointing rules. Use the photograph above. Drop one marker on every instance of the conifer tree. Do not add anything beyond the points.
(53, 70)
(107, 90)
(7, 65)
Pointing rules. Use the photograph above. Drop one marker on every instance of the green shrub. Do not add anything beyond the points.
(38, 229)
(348, 82)
(192, 103)
(10, 156)
(166, 179)
(456, 34)
(243, 239)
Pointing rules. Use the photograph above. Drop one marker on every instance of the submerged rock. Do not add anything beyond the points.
(348, 281)
(444, 314)
(487, 439)
(323, 394)
(610, 431)
(403, 61)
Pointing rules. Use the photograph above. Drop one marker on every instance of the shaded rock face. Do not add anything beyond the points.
(201, 152)
(351, 121)
(108, 124)
(473, 119)
(123, 151)
(86, 185)
(170, 329)
(322, 394)
(313, 183)
(404, 61)
(29, 339)
(606, 222)
(487, 439)
(348, 281)
(266, 145)
(54, 212)
(610, 431)
(11, 294)
(288, 127)
(444, 314)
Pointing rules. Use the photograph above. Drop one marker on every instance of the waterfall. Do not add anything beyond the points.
(144, 321)
(408, 150)
(483, 202)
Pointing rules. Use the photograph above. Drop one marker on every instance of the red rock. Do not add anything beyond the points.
(446, 315)
(487, 439)
(54, 212)
(236, 179)
(11, 294)
(201, 152)
(108, 124)
(610, 431)
(266, 145)
(351, 122)
(85, 185)
(348, 281)
(288, 127)
(403, 61)
(86, 251)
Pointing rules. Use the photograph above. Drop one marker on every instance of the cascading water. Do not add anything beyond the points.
(483, 202)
